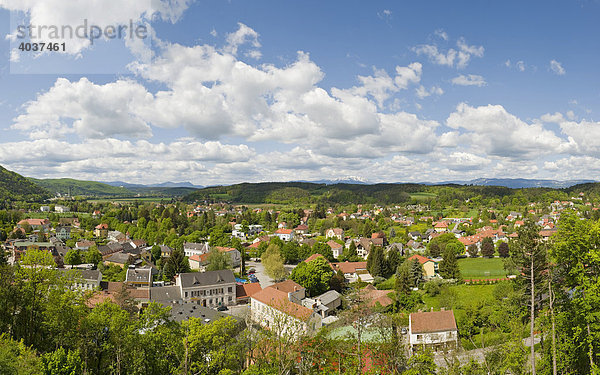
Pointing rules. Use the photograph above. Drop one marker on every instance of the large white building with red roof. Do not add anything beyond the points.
(278, 308)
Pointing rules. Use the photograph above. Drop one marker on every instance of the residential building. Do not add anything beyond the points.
(277, 310)
(434, 330)
(245, 291)
(101, 230)
(211, 288)
(335, 233)
(63, 233)
(84, 244)
(352, 270)
(138, 277)
(285, 234)
(193, 248)
(42, 225)
(83, 279)
(336, 248)
(430, 267)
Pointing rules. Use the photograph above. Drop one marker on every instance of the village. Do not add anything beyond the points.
(294, 271)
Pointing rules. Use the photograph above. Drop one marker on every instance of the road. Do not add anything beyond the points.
(263, 279)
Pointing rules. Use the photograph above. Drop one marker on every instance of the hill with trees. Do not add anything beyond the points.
(73, 187)
(14, 187)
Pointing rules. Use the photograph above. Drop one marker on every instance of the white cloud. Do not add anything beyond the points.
(557, 68)
(452, 57)
(491, 129)
(469, 80)
(422, 92)
(441, 33)
(243, 35)
(520, 65)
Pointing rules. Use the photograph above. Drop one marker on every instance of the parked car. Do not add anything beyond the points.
(222, 308)
(251, 271)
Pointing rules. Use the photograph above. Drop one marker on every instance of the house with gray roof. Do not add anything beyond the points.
(139, 277)
(211, 288)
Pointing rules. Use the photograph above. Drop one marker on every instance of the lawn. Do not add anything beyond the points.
(460, 296)
(481, 268)
(422, 196)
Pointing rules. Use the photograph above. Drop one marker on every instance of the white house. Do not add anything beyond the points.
(285, 234)
(335, 233)
(192, 248)
(434, 330)
(336, 248)
(278, 308)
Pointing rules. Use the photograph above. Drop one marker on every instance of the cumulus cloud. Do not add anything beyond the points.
(557, 68)
(491, 129)
(469, 80)
(422, 92)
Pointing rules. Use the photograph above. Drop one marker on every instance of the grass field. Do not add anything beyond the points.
(422, 196)
(481, 268)
(139, 199)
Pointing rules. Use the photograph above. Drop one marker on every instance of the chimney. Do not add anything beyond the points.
(431, 308)
(290, 296)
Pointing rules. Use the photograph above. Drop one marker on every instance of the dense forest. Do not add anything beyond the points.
(14, 187)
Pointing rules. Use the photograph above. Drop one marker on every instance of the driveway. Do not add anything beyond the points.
(263, 279)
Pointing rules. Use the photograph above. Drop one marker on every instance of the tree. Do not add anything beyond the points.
(487, 247)
(529, 255)
(350, 253)
(337, 282)
(473, 250)
(323, 249)
(73, 257)
(273, 262)
(156, 253)
(18, 359)
(503, 250)
(218, 260)
(376, 262)
(93, 256)
(62, 362)
(416, 273)
(403, 280)
(315, 276)
(176, 264)
(434, 250)
(449, 265)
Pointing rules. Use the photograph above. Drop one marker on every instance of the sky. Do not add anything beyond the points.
(221, 92)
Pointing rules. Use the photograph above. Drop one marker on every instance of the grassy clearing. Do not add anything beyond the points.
(482, 268)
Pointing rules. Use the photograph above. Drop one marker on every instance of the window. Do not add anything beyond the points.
(230, 299)
(230, 290)
(186, 294)
(419, 337)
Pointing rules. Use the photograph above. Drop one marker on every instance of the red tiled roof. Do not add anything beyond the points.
(247, 290)
(334, 245)
(288, 286)
(349, 267)
(283, 231)
(420, 258)
(279, 300)
(432, 321)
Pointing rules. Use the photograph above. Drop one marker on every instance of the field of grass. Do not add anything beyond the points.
(460, 296)
(481, 268)
(133, 199)
(422, 196)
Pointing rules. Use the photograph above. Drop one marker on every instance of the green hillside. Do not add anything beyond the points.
(14, 187)
(78, 187)
(310, 193)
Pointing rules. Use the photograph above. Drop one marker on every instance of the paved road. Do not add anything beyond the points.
(263, 279)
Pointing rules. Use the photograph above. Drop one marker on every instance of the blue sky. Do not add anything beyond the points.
(279, 90)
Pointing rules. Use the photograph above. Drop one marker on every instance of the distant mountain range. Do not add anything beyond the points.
(167, 184)
(345, 180)
(515, 183)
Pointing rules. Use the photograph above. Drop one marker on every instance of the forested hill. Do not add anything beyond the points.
(78, 187)
(304, 192)
(14, 187)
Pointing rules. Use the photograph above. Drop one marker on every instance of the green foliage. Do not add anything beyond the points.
(503, 250)
(416, 273)
(323, 249)
(62, 362)
(487, 247)
(14, 187)
(376, 263)
(315, 275)
(78, 187)
(17, 359)
(442, 242)
(473, 250)
(176, 264)
(218, 260)
(403, 278)
(273, 262)
(73, 257)
(448, 267)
